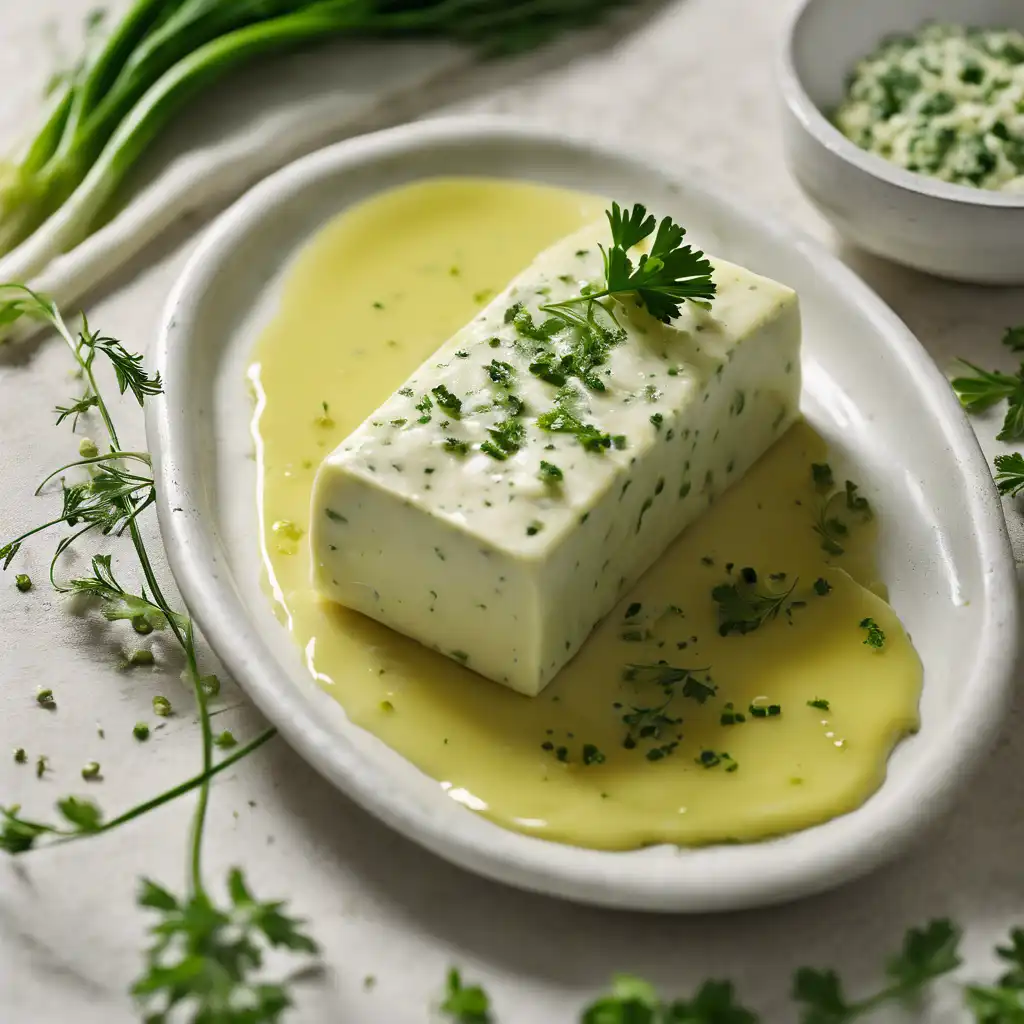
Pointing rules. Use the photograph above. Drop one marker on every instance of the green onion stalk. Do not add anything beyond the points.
(163, 53)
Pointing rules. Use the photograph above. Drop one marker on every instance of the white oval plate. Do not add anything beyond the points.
(869, 388)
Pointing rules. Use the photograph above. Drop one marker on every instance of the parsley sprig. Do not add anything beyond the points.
(927, 954)
(661, 280)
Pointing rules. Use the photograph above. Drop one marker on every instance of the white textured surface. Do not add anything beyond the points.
(692, 86)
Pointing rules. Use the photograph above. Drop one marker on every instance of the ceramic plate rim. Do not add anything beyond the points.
(734, 877)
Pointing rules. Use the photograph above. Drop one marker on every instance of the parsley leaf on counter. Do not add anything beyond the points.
(205, 958)
(1002, 1003)
(634, 1001)
(1010, 473)
(1013, 338)
(983, 389)
(466, 1004)
(927, 954)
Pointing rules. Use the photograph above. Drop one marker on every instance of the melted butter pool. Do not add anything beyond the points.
(607, 756)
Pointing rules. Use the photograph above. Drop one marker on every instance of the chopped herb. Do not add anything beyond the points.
(822, 587)
(225, 740)
(765, 710)
(558, 421)
(447, 401)
(141, 731)
(499, 372)
(657, 419)
(820, 703)
(742, 608)
(460, 656)
(423, 406)
(46, 699)
(821, 474)
(162, 707)
(42, 765)
(336, 517)
(709, 759)
(506, 439)
(23, 582)
(461, 354)
(550, 473)
(591, 755)
(20, 755)
(856, 503)
(455, 446)
(730, 716)
(634, 610)
(875, 637)
(141, 657)
(534, 528)
(465, 1004)
(91, 771)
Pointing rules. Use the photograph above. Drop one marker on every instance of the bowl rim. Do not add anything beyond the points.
(816, 124)
(580, 874)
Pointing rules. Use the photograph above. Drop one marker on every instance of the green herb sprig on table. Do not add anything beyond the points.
(983, 389)
(205, 960)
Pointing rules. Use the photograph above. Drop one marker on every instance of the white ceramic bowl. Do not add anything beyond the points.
(869, 388)
(950, 230)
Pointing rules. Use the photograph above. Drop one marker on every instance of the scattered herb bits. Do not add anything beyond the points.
(20, 755)
(225, 740)
(46, 699)
(758, 709)
(23, 582)
(820, 703)
(162, 707)
(141, 731)
(91, 771)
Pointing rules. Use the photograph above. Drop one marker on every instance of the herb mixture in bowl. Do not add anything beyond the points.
(947, 101)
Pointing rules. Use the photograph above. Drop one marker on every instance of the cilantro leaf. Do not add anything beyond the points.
(714, 1003)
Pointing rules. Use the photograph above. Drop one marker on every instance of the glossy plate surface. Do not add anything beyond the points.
(870, 389)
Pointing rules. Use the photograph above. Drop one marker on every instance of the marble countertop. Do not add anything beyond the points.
(691, 84)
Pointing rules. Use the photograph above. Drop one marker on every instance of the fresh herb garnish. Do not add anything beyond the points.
(743, 607)
(506, 438)
(819, 703)
(550, 473)
(1010, 473)
(1013, 338)
(927, 953)
(447, 401)
(558, 421)
(455, 446)
(875, 637)
(465, 1004)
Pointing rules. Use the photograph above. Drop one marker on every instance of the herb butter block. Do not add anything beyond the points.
(496, 507)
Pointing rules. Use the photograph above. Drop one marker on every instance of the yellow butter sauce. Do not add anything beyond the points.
(598, 759)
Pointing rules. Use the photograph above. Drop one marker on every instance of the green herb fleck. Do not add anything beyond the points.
(225, 740)
(550, 473)
(820, 703)
(91, 771)
(23, 582)
(875, 637)
(162, 707)
(141, 731)
(46, 699)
